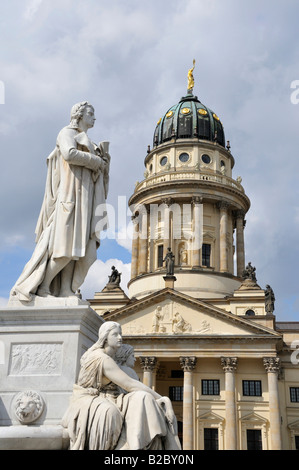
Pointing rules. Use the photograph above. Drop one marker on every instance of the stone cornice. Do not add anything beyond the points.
(200, 338)
(198, 270)
(198, 184)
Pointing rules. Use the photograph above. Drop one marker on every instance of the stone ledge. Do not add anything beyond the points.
(33, 438)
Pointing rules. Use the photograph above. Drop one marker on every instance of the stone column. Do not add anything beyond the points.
(229, 365)
(167, 225)
(272, 366)
(240, 241)
(143, 241)
(135, 243)
(148, 365)
(197, 231)
(188, 364)
(223, 207)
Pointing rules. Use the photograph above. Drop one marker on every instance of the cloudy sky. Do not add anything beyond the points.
(130, 59)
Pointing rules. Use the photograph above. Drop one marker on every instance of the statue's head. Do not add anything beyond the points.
(104, 331)
(124, 352)
(77, 112)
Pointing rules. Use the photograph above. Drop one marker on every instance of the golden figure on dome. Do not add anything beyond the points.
(191, 78)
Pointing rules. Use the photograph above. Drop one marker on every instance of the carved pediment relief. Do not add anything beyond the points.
(172, 317)
(172, 313)
(168, 318)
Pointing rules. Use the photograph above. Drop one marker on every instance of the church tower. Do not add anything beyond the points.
(189, 202)
(203, 330)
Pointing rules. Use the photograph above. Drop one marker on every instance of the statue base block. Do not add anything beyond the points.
(169, 281)
(40, 351)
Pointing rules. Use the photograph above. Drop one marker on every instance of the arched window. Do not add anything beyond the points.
(250, 312)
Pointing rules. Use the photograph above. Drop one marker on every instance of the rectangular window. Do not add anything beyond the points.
(254, 439)
(176, 393)
(206, 255)
(252, 388)
(294, 394)
(210, 387)
(297, 442)
(160, 256)
(210, 439)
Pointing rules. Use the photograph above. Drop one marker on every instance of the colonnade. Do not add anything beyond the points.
(143, 252)
(229, 365)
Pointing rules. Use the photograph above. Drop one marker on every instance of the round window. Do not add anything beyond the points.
(163, 161)
(184, 157)
(250, 313)
(206, 158)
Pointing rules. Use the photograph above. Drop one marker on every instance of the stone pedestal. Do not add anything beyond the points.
(109, 299)
(40, 349)
(169, 281)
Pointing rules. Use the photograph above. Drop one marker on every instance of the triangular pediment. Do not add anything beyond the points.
(294, 425)
(254, 418)
(169, 312)
(211, 416)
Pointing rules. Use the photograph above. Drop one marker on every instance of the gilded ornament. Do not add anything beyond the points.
(191, 78)
(185, 110)
(169, 114)
(216, 117)
(203, 112)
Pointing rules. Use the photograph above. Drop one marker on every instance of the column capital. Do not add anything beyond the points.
(229, 364)
(168, 201)
(148, 363)
(196, 200)
(272, 364)
(239, 214)
(188, 363)
(223, 205)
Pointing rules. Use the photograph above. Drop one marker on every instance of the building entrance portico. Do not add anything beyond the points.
(206, 370)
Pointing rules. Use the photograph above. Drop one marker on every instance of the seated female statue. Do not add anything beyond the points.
(110, 409)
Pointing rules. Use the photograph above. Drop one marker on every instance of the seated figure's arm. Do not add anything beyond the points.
(114, 373)
(69, 151)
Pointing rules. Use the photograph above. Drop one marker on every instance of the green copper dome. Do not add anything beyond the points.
(189, 119)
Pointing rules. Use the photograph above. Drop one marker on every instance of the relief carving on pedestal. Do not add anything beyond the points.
(36, 359)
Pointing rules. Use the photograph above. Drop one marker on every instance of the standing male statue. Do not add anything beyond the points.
(169, 261)
(66, 234)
